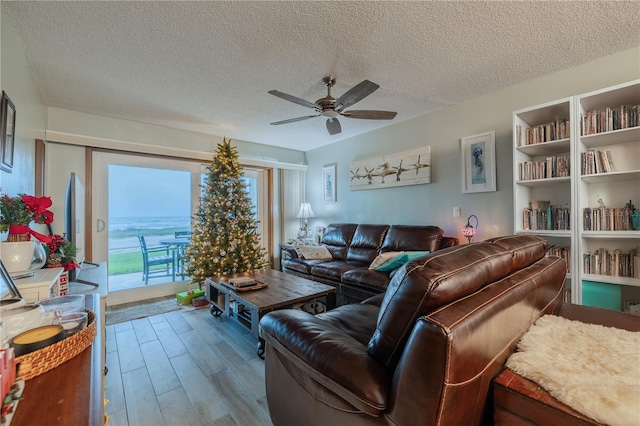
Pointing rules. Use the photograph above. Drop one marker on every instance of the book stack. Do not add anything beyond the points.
(555, 130)
(597, 162)
(554, 166)
(612, 262)
(541, 215)
(610, 119)
(563, 252)
(607, 219)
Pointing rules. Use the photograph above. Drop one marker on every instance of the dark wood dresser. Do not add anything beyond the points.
(71, 394)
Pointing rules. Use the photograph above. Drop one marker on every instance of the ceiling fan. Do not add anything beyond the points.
(331, 107)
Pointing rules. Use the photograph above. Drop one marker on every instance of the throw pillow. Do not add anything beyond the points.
(314, 252)
(383, 258)
(400, 260)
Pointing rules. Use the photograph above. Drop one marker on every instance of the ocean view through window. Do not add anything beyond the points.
(152, 203)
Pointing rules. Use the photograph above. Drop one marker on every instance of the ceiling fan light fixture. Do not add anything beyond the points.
(331, 107)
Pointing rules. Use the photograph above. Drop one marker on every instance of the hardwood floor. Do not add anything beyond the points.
(184, 368)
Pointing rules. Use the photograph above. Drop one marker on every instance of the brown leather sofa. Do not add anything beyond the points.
(424, 352)
(353, 247)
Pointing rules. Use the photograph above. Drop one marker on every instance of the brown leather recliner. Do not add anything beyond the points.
(424, 352)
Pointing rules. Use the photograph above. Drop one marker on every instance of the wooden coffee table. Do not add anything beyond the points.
(249, 306)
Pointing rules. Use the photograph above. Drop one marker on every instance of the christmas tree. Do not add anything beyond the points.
(224, 237)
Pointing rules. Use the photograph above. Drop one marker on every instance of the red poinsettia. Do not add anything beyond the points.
(17, 212)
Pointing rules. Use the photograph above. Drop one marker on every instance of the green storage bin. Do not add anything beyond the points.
(601, 295)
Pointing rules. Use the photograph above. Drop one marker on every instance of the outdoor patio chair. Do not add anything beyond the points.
(157, 256)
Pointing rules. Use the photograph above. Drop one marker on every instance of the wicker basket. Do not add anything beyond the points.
(38, 362)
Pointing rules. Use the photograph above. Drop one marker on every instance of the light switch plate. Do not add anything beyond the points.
(456, 212)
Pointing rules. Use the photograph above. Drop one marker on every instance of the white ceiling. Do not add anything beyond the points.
(207, 66)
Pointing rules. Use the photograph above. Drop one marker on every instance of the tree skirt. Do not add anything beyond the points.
(591, 368)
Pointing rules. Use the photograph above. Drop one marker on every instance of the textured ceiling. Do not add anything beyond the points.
(207, 66)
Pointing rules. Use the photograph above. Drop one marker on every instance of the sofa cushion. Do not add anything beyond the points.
(332, 270)
(338, 238)
(300, 265)
(366, 242)
(400, 260)
(367, 278)
(525, 249)
(412, 238)
(383, 258)
(313, 252)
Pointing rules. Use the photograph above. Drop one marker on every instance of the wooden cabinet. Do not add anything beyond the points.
(576, 172)
(70, 394)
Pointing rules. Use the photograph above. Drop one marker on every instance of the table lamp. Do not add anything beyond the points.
(305, 213)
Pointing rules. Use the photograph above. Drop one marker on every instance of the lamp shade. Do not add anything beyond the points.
(305, 211)
(469, 230)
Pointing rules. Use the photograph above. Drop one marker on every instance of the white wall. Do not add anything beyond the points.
(432, 204)
(18, 82)
(95, 126)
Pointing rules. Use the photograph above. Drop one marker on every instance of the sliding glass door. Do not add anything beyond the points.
(143, 207)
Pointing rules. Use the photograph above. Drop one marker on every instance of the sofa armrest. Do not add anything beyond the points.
(448, 242)
(288, 252)
(331, 357)
(605, 317)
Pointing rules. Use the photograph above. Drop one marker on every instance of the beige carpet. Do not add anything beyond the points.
(146, 308)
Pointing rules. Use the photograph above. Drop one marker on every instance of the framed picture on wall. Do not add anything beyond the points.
(479, 163)
(329, 182)
(7, 133)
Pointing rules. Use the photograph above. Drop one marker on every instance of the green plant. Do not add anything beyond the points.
(61, 252)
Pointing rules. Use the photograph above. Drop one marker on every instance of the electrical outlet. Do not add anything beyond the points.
(456, 212)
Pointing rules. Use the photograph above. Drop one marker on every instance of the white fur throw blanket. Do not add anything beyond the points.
(591, 368)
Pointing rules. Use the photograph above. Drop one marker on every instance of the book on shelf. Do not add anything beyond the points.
(597, 161)
(613, 263)
(548, 132)
(553, 166)
(607, 219)
(541, 215)
(609, 119)
(563, 252)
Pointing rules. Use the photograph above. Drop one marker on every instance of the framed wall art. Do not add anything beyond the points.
(7, 133)
(479, 163)
(329, 182)
(411, 167)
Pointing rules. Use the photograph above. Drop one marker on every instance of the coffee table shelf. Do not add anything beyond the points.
(248, 307)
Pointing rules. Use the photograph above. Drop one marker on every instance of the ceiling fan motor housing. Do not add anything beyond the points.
(326, 106)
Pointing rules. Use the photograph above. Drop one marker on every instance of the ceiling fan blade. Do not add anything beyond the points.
(293, 120)
(333, 126)
(370, 114)
(293, 99)
(355, 94)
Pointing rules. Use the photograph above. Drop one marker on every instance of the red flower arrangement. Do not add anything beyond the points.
(61, 252)
(17, 212)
